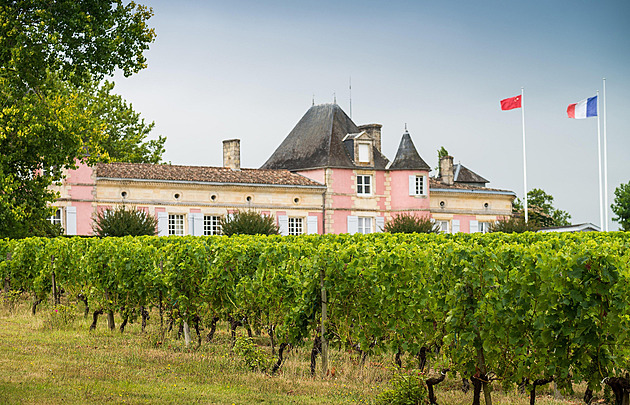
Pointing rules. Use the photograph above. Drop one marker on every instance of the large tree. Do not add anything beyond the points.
(52, 52)
(541, 210)
(621, 206)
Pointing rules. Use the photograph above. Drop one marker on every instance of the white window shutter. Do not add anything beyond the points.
(474, 226)
(71, 220)
(162, 218)
(283, 224)
(311, 225)
(412, 184)
(425, 185)
(191, 224)
(380, 224)
(455, 225)
(198, 224)
(353, 224)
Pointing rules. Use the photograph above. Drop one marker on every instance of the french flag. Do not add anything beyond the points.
(584, 109)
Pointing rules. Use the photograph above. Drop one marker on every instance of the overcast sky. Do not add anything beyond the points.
(249, 69)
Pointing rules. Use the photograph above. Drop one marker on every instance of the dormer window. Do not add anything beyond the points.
(364, 152)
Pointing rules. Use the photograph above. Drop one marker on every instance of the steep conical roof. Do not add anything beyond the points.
(317, 141)
(407, 157)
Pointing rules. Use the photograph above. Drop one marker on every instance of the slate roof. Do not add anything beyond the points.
(316, 141)
(436, 184)
(465, 175)
(407, 157)
(206, 174)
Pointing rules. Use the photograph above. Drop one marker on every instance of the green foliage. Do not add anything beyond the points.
(50, 54)
(409, 223)
(541, 211)
(442, 152)
(255, 359)
(514, 224)
(406, 389)
(521, 306)
(621, 206)
(124, 221)
(248, 223)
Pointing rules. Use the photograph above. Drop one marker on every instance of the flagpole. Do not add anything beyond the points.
(524, 153)
(605, 162)
(599, 157)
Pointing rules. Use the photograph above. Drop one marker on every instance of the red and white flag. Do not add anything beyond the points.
(511, 103)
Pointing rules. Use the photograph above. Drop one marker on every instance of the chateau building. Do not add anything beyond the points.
(327, 176)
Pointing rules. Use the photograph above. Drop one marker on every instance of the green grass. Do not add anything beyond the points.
(73, 366)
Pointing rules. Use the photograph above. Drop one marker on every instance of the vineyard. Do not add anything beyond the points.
(516, 310)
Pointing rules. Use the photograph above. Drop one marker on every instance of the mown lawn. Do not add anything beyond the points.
(40, 365)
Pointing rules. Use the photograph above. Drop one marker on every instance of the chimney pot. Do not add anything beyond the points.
(374, 132)
(232, 154)
(446, 170)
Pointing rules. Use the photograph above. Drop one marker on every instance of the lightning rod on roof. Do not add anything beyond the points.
(313, 99)
(334, 97)
(350, 86)
(406, 127)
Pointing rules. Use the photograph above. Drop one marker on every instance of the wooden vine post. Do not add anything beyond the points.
(322, 275)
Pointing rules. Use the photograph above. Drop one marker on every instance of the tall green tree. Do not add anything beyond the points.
(51, 54)
(541, 210)
(621, 206)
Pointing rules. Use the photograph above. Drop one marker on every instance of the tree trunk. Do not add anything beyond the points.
(397, 358)
(536, 383)
(196, 326)
(213, 329)
(422, 358)
(316, 350)
(234, 323)
(95, 318)
(124, 323)
(588, 396)
(160, 308)
(145, 316)
(435, 381)
(621, 388)
(465, 385)
(83, 298)
(36, 302)
(110, 320)
(270, 330)
(276, 366)
(476, 390)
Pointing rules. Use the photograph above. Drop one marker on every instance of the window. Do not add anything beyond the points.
(443, 226)
(418, 184)
(364, 153)
(484, 227)
(176, 224)
(56, 218)
(364, 184)
(212, 225)
(365, 225)
(296, 226)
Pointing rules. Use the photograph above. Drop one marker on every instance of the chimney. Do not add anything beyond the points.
(232, 154)
(374, 132)
(446, 170)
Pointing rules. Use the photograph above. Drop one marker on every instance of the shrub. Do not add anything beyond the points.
(406, 389)
(122, 221)
(409, 223)
(255, 358)
(513, 225)
(60, 317)
(248, 223)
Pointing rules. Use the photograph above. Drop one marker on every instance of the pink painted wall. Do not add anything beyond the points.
(320, 222)
(317, 174)
(343, 181)
(84, 217)
(195, 211)
(340, 222)
(400, 191)
(464, 222)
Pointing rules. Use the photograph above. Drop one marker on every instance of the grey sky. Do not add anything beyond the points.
(249, 69)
